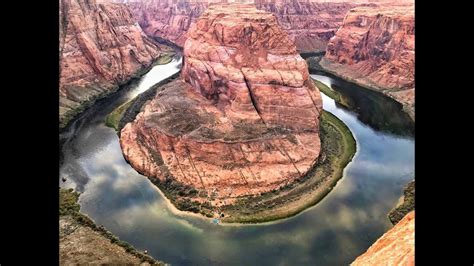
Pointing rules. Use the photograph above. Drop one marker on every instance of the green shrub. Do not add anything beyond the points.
(68, 202)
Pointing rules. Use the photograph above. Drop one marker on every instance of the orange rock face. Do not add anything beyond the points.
(375, 48)
(244, 117)
(309, 24)
(396, 247)
(101, 46)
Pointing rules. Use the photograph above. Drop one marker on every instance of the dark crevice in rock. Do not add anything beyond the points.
(252, 99)
(194, 166)
(283, 151)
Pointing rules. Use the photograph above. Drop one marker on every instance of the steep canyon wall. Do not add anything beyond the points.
(101, 47)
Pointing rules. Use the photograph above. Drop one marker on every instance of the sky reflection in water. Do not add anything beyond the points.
(333, 232)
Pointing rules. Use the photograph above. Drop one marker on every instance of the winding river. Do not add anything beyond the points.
(334, 232)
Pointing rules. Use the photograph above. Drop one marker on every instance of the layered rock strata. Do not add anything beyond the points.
(309, 24)
(375, 48)
(101, 47)
(242, 120)
(167, 19)
(396, 247)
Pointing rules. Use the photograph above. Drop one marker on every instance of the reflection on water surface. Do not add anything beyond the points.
(334, 232)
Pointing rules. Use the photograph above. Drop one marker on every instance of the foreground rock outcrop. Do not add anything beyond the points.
(242, 120)
(309, 24)
(101, 47)
(396, 247)
(375, 48)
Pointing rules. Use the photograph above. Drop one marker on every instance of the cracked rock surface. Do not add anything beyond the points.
(244, 116)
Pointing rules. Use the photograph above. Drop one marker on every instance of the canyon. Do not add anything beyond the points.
(242, 120)
(395, 247)
(375, 48)
(310, 24)
(101, 48)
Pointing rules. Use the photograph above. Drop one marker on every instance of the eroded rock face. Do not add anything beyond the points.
(101, 46)
(167, 19)
(396, 247)
(242, 120)
(309, 24)
(375, 48)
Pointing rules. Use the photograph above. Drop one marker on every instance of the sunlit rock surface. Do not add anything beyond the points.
(396, 247)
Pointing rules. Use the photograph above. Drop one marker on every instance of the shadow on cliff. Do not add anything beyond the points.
(374, 109)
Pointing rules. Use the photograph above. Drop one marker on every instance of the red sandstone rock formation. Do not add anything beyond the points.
(244, 118)
(309, 24)
(167, 19)
(396, 247)
(101, 46)
(375, 48)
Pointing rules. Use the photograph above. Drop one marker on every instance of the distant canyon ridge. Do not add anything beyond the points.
(369, 42)
(309, 24)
